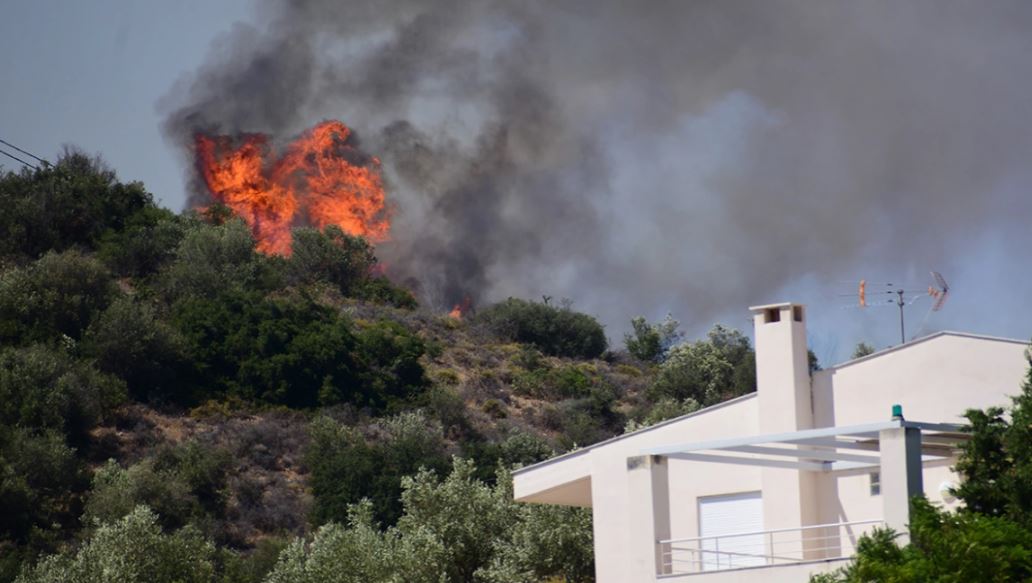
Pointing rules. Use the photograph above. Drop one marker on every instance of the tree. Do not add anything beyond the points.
(57, 296)
(332, 256)
(131, 550)
(44, 388)
(75, 202)
(211, 260)
(707, 371)
(650, 342)
(862, 349)
(39, 475)
(348, 467)
(128, 340)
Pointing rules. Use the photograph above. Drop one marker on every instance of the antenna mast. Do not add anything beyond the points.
(938, 291)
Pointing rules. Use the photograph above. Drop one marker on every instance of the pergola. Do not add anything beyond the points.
(898, 449)
(827, 449)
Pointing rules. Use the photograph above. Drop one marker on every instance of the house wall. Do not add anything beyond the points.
(637, 499)
(935, 380)
(623, 534)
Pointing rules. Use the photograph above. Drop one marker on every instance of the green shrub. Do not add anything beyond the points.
(73, 203)
(145, 245)
(561, 382)
(709, 371)
(131, 550)
(554, 331)
(129, 341)
(295, 352)
(494, 408)
(44, 388)
(332, 256)
(216, 259)
(665, 408)
(945, 546)
(185, 484)
(58, 295)
(347, 467)
(39, 476)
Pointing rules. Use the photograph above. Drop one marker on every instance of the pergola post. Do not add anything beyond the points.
(901, 477)
(649, 486)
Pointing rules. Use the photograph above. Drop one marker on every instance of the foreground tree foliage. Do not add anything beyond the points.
(133, 549)
(456, 529)
(990, 537)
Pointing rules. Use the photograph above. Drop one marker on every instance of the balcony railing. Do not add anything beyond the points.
(764, 547)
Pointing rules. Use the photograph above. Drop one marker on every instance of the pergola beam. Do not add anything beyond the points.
(814, 454)
(746, 461)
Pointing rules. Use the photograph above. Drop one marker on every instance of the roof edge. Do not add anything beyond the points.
(898, 347)
(615, 438)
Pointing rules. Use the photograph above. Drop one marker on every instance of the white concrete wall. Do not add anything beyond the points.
(623, 539)
(935, 380)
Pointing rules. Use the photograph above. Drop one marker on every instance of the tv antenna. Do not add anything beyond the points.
(902, 296)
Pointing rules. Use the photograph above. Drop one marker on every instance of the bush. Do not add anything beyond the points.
(554, 331)
(58, 295)
(131, 550)
(347, 467)
(331, 256)
(146, 244)
(945, 546)
(129, 341)
(43, 388)
(182, 484)
(74, 203)
(215, 259)
(39, 476)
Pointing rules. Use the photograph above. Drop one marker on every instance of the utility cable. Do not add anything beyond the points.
(13, 157)
(30, 154)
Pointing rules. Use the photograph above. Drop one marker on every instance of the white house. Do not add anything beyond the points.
(780, 483)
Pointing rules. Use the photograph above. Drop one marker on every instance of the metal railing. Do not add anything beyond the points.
(763, 547)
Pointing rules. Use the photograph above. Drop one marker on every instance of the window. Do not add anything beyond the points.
(797, 313)
(771, 315)
(875, 483)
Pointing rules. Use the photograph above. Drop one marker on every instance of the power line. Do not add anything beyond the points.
(13, 157)
(30, 154)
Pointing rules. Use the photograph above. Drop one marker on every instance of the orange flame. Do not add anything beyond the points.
(461, 309)
(320, 177)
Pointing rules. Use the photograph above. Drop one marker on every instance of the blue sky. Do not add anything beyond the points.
(91, 74)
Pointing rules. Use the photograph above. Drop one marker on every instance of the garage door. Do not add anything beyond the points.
(723, 516)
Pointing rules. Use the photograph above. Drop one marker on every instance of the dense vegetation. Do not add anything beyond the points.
(175, 406)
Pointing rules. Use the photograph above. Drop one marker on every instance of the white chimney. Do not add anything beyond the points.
(782, 368)
(785, 406)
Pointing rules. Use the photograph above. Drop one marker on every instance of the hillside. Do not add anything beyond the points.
(159, 373)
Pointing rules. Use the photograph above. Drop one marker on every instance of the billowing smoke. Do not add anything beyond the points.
(651, 156)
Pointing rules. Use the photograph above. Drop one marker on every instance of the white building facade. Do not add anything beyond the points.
(780, 483)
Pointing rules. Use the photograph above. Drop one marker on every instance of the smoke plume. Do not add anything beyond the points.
(650, 156)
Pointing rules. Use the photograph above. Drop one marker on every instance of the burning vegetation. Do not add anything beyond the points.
(320, 179)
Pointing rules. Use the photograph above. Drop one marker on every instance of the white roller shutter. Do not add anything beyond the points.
(734, 514)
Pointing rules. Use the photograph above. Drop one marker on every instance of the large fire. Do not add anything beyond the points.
(320, 179)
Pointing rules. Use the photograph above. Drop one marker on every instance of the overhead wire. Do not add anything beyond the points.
(13, 157)
(27, 153)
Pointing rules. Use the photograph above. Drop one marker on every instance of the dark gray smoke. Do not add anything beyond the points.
(650, 156)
